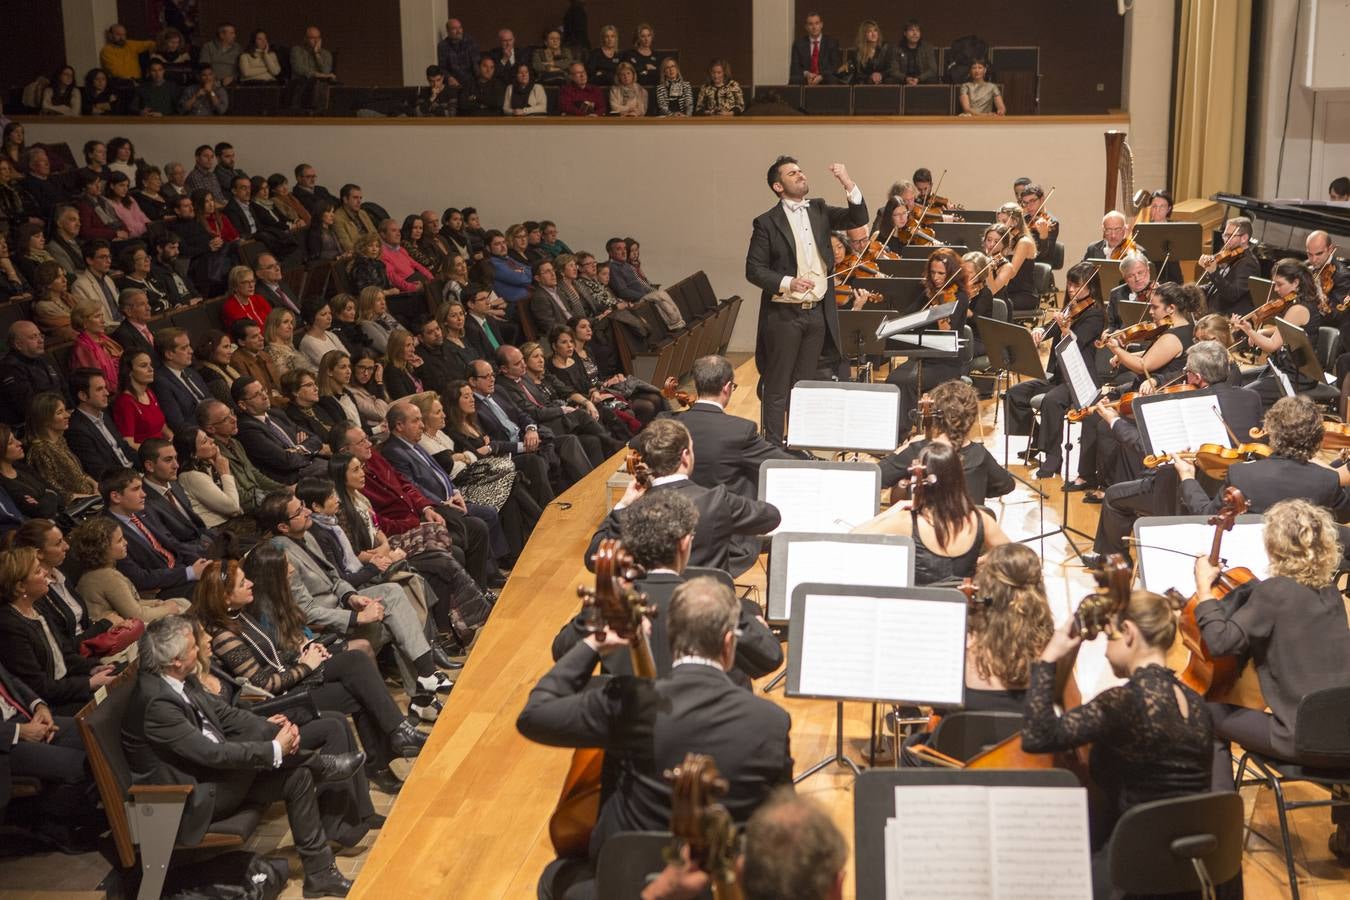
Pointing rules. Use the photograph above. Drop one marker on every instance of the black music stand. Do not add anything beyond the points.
(1011, 349)
(903, 268)
(902, 295)
(1183, 241)
(1131, 312)
(858, 336)
(1064, 528)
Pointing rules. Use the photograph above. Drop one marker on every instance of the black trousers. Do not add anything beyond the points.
(470, 533)
(461, 607)
(353, 686)
(294, 784)
(344, 806)
(1124, 503)
(1018, 416)
(61, 767)
(792, 341)
(1250, 728)
(520, 513)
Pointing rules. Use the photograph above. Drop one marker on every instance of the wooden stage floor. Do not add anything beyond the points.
(471, 821)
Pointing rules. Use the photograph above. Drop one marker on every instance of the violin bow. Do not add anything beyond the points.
(1231, 436)
(1239, 341)
(1227, 245)
(927, 203)
(858, 263)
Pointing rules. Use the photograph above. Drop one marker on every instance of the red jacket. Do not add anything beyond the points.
(395, 499)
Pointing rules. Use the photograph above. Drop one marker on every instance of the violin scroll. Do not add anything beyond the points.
(701, 823)
(638, 469)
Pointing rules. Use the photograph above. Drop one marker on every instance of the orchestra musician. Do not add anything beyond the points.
(1289, 276)
(1044, 227)
(1226, 277)
(1333, 279)
(942, 284)
(646, 726)
(950, 532)
(1154, 491)
(786, 260)
(1151, 736)
(1115, 231)
(923, 183)
(956, 409)
(1294, 428)
(1135, 286)
(1015, 281)
(1081, 281)
(1292, 625)
(975, 274)
(894, 225)
(1160, 210)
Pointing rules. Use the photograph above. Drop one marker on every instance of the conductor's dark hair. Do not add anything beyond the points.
(653, 527)
(774, 169)
(711, 374)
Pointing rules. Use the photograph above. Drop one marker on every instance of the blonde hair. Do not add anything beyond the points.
(956, 407)
(364, 242)
(84, 311)
(365, 303)
(398, 342)
(1011, 630)
(273, 323)
(15, 565)
(1302, 542)
(1154, 616)
(865, 53)
(1214, 327)
(423, 401)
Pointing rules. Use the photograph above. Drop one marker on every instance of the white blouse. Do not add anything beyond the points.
(315, 348)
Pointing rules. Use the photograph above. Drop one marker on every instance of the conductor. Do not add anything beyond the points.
(789, 261)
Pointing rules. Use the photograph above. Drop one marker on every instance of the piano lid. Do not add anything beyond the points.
(1330, 216)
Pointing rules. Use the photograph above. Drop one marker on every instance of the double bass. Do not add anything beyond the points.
(613, 603)
(701, 824)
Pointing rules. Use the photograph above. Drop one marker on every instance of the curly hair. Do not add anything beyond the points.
(956, 407)
(1011, 630)
(1301, 541)
(1295, 428)
(91, 539)
(1214, 327)
(1186, 299)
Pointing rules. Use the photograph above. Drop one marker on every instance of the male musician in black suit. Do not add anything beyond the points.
(574, 414)
(505, 422)
(646, 726)
(178, 386)
(272, 286)
(1135, 277)
(728, 450)
(816, 58)
(1294, 427)
(1044, 229)
(1114, 232)
(168, 503)
(134, 333)
(93, 436)
(790, 260)
(1226, 284)
(279, 449)
(658, 530)
(729, 525)
(151, 564)
(1154, 491)
(174, 732)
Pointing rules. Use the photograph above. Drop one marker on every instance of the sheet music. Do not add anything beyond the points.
(915, 319)
(1160, 568)
(821, 500)
(930, 340)
(883, 649)
(843, 418)
(1076, 372)
(844, 562)
(1183, 424)
(973, 842)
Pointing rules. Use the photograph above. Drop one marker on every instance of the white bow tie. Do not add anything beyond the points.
(796, 207)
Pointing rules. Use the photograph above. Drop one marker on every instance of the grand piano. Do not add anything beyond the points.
(1297, 216)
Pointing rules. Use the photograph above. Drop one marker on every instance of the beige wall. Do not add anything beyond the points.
(1150, 29)
(687, 191)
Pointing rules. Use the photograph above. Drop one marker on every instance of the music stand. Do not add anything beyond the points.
(1259, 289)
(842, 477)
(970, 232)
(843, 416)
(1183, 241)
(1159, 565)
(874, 612)
(923, 251)
(858, 331)
(903, 268)
(1010, 348)
(1131, 312)
(901, 294)
(1069, 359)
(874, 803)
(1302, 352)
(1108, 275)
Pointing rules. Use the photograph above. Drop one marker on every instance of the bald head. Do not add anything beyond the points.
(25, 337)
(1319, 247)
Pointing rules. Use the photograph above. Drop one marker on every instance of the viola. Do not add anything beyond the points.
(1335, 435)
(638, 468)
(670, 392)
(1213, 459)
(1125, 405)
(699, 822)
(1141, 333)
(1215, 677)
(1270, 309)
(612, 603)
(927, 412)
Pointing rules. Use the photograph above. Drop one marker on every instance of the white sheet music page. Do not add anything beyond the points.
(1162, 568)
(940, 844)
(840, 418)
(828, 500)
(1084, 389)
(844, 562)
(1184, 423)
(869, 648)
(1040, 843)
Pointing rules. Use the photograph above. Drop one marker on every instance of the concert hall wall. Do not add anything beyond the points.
(1081, 42)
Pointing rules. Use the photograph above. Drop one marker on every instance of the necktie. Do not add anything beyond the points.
(173, 501)
(286, 299)
(112, 442)
(815, 57)
(197, 393)
(109, 297)
(145, 333)
(207, 727)
(530, 395)
(278, 431)
(492, 338)
(512, 431)
(18, 707)
(154, 543)
(446, 484)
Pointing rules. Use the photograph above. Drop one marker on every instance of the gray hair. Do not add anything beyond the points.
(398, 414)
(711, 374)
(126, 295)
(702, 612)
(1209, 360)
(164, 641)
(170, 166)
(1130, 262)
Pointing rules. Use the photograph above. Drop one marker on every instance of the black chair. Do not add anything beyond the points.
(929, 100)
(877, 100)
(828, 100)
(1328, 347)
(963, 735)
(255, 100)
(1057, 257)
(791, 94)
(629, 861)
(709, 572)
(196, 320)
(553, 93)
(1322, 743)
(1179, 844)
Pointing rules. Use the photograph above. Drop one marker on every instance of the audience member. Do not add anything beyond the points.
(674, 96)
(136, 410)
(54, 303)
(93, 435)
(25, 372)
(485, 95)
(524, 97)
(403, 272)
(642, 56)
(171, 51)
(98, 221)
(457, 54)
(258, 64)
(321, 237)
(720, 95)
(279, 336)
(550, 62)
(311, 72)
(280, 451)
(816, 58)
(308, 190)
(62, 96)
(102, 97)
(979, 97)
(48, 453)
(218, 420)
(93, 347)
(437, 98)
(915, 58)
(178, 386)
(24, 488)
(206, 98)
(213, 353)
(286, 203)
(504, 55)
(99, 545)
(350, 220)
(578, 98)
(37, 184)
(243, 302)
(222, 55)
(170, 271)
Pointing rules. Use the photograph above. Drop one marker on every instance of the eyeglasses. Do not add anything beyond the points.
(228, 417)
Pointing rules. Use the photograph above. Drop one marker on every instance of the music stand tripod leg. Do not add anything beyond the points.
(1064, 528)
(838, 755)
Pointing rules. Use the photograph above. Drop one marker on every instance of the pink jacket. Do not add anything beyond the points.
(97, 352)
(401, 268)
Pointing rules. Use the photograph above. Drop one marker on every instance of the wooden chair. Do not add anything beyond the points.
(144, 816)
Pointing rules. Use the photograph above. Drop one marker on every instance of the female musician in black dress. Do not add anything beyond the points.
(943, 283)
(1081, 283)
(1008, 624)
(1015, 280)
(1290, 276)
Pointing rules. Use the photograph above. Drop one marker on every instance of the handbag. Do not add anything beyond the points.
(114, 640)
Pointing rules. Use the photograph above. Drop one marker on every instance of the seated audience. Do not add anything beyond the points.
(62, 96)
(155, 96)
(980, 97)
(206, 480)
(279, 449)
(311, 72)
(93, 348)
(441, 364)
(99, 545)
(136, 410)
(603, 62)
(178, 386)
(485, 95)
(346, 325)
(252, 359)
(437, 98)
(139, 290)
(279, 333)
(401, 365)
(118, 197)
(372, 315)
(217, 419)
(93, 435)
(25, 372)
(287, 205)
(95, 285)
(350, 220)
(258, 64)
(720, 95)
(30, 246)
(171, 271)
(301, 390)
(368, 387)
(321, 237)
(457, 53)
(551, 62)
(271, 283)
(421, 245)
(54, 303)
(870, 60)
(404, 273)
(102, 97)
(214, 355)
(642, 56)
(148, 196)
(524, 97)
(335, 393)
(318, 340)
(915, 58)
(578, 97)
(367, 267)
(674, 96)
(205, 98)
(32, 496)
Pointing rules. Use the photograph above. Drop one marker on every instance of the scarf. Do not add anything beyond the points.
(520, 96)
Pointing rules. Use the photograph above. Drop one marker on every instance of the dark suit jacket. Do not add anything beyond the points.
(26, 698)
(163, 276)
(1241, 410)
(727, 449)
(28, 656)
(830, 59)
(1266, 482)
(475, 337)
(273, 295)
(773, 255)
(186, 529)
(311, 199)
(94, 453)
(413, 467)
(269, 454)
(728, 532)
(146, 568)
(546, 314)
(180, 407)
(235, 213)
(495, 427)
(132, 341)
(1228, 290)
(165, 745)
(646, 727)
(440, 366)
(758, 652)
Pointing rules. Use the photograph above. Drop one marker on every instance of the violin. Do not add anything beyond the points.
(943, 203)
(699, 822)
(1127, 248)
(1270, 309)
(1214, 677)
(845, 296)
(637, 467)
(1125, 405)
(914, 233)
(670, 392)
(1141, 332)
(1214, 459)
(1335, 435)
(927, 412)
(613, 603)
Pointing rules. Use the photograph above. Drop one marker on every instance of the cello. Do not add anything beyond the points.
(613, 603)
(703, 825)
(1215, 678)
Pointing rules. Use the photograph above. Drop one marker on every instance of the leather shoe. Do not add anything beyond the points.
(336, 766)
(407, 741)
(496, 580)
(328, 883)
(443, 660)
(375, 821)
(1093, 560)
(385, 779)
